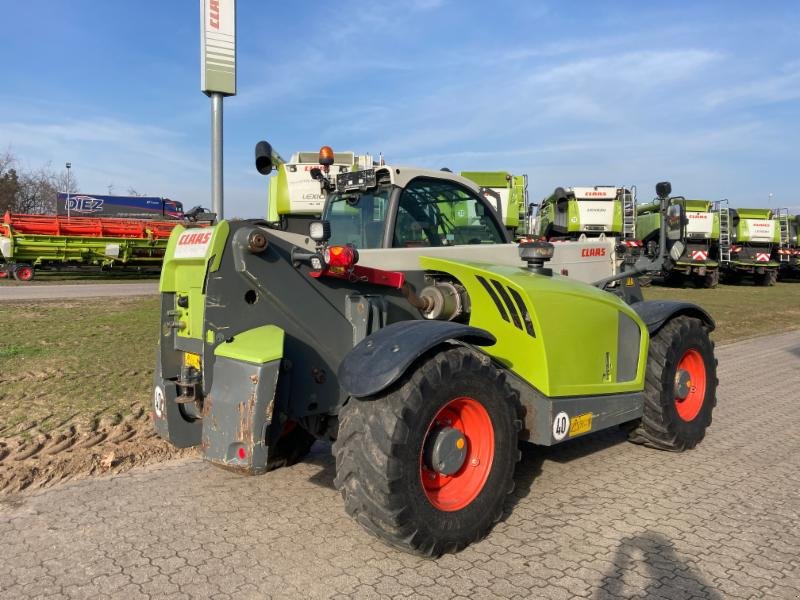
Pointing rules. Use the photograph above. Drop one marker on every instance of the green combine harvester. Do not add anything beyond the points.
(696, 246)
(747, 239)
(507, 193)
(390, 328)
(787, 254)
(569, 213)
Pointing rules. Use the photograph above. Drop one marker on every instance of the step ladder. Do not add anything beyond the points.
(723, 209)
(629, 213)
(782, 215)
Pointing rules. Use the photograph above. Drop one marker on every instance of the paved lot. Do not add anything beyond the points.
(88, 290)
(597, 518)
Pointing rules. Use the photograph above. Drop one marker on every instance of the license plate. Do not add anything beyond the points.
(580, 424)
(191, 360)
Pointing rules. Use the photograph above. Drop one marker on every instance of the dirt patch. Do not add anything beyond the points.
(43, 458)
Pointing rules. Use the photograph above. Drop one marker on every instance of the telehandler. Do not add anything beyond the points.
(406, 329)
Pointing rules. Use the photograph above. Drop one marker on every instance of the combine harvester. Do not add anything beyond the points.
(787, 254)
(507, 194)
(569, 213)
(747, 238)
(28, 242)
(696, 244)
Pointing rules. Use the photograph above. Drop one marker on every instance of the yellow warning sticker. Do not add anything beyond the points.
(580, 424)
(192, 360)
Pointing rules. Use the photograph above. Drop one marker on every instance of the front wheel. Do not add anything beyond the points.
(680, 387)
(426, 465)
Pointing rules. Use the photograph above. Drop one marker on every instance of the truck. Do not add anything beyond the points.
(423, 348)
(30, 242)
(118, 207)
(507, 194)
(569, 213)
(698, 240)
(747, 238)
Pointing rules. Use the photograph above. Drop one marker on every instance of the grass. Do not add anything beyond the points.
(73, 362)
(741, 311)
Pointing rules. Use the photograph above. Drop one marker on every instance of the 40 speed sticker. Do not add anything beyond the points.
(564, 426)
(158, 401)
(560, 426)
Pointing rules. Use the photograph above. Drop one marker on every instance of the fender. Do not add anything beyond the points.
(655, 313)
(378, 360)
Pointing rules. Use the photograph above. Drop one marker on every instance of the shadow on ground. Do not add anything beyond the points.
(652, 555)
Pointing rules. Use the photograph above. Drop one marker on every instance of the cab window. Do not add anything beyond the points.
(358, 218)
(442, 213)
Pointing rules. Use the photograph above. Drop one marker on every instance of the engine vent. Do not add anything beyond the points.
(509, 303)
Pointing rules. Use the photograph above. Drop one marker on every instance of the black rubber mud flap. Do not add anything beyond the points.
(655, 313)
(381, 358)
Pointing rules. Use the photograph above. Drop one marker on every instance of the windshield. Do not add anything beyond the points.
(435, 212)
(358, 218)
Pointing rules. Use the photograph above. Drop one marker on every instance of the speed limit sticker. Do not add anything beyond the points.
(560, 426)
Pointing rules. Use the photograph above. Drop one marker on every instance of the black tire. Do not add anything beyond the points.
(711, 279)
(765, 279)
(661, 425)
(379, 454)
(292, 447)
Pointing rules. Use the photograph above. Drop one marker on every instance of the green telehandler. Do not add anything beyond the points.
(398, 328)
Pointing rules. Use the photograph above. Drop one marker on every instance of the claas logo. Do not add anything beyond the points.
(593, 252)
(191, 239)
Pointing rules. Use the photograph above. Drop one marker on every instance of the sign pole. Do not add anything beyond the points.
(217, 78)
(216, 154)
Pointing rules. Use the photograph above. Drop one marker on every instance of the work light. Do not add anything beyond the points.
(319, 231)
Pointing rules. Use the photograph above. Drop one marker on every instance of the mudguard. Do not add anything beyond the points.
(655, 313)
(381, 358)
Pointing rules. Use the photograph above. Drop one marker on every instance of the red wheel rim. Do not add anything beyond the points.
(692, 363)
(454, 492)
(25, 273)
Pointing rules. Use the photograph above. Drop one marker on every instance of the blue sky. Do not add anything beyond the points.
(706, 95)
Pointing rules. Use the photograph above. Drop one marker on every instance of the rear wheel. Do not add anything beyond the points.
(711, 279)
(680, 387)
(426, 466)
(766, 279)
(23, 273)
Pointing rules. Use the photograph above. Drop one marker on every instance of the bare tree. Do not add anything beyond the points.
(9, 182)
(31, 191)
(132, 192)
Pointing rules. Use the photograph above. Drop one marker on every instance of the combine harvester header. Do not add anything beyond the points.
(31, 241)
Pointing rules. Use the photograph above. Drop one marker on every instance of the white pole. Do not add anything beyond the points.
(216, 155)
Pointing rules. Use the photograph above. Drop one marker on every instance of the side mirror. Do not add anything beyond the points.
(675, 216)
(663, 189)
(264, 158)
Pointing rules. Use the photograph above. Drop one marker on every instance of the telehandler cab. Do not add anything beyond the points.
(406, 329)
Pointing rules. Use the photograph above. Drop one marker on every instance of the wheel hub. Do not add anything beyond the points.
(683, 384)
(446, 450)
